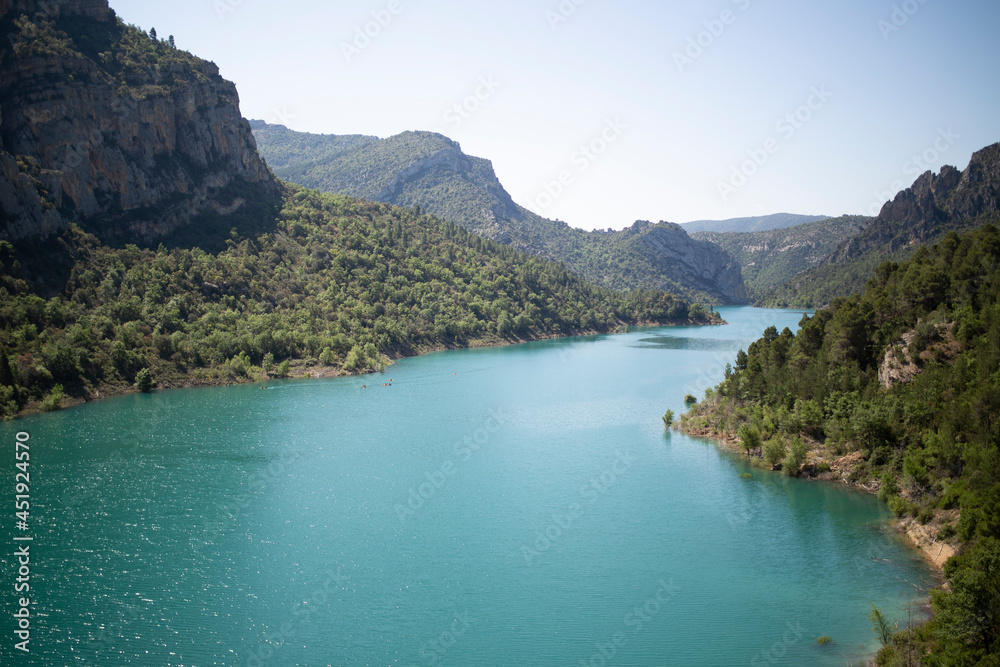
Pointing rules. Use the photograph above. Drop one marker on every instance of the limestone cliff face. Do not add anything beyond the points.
(701, 264)
(134, 151)
(951, 200)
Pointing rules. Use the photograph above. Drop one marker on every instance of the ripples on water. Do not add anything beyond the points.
(515, 506)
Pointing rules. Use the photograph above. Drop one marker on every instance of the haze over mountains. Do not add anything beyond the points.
(772, 257)
(760, 223)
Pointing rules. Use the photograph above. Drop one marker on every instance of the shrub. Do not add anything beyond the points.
(796, 456)
(899, 505)
(925, 515)
(824, 640)
(144, 381)
(668, 418)
(888, 487)
(240, 364)
(774, 451)
(53, 401)
(823, 466)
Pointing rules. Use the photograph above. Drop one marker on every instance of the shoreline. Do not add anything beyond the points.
(302, 369)
(918, 537)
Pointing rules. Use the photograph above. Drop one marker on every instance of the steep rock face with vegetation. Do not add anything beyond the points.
(250, 278)
(896, 390)
(104, 126)
(769, 259)
(923, 213)
(430, 171)
(688, 261)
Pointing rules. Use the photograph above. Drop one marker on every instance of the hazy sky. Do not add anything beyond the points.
(600, 113)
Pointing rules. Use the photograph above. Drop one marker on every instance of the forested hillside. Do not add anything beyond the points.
(897, 388)
(769, 259)
(430, 171)
(333, 285)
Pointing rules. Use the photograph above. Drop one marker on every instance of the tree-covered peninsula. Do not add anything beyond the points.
(896, 390)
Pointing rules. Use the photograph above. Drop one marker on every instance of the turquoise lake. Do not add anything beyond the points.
(493, 507)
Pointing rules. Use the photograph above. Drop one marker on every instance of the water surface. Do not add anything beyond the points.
(506, 506)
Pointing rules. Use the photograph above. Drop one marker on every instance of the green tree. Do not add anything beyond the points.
(797, 455)
(749, 439)
(774, 451)
(355, 360)
(883, 628)
(144, 381)
(668, 418)
(53, 401)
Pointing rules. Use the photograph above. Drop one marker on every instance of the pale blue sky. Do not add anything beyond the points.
(678, 135)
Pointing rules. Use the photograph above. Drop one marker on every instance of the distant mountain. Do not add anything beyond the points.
(769, 259)
(430, 171)
(923, 213)
(761, 223)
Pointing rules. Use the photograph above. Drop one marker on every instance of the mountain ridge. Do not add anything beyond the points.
(923, 213)
(760, 223)
(430, 170)
(770, 258)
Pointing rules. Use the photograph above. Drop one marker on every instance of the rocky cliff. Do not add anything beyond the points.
(687, 261)
(936, 204)
(102, 125)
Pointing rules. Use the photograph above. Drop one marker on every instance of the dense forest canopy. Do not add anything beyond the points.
(335, 282)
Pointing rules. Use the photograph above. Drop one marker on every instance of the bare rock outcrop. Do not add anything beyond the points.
(134, 141)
